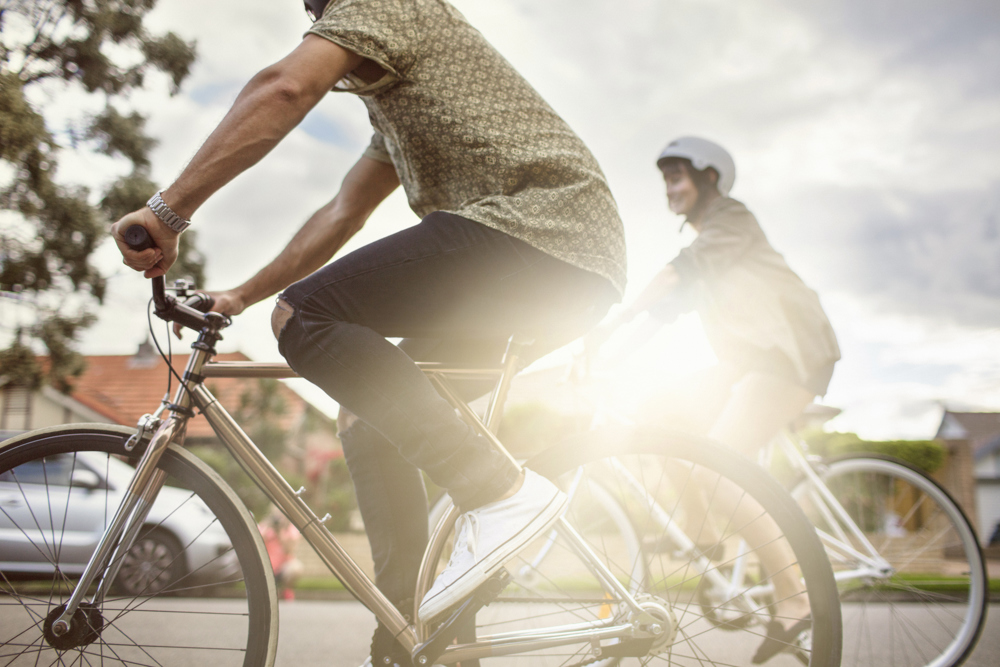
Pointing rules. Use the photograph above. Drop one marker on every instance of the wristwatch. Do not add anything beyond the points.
(166, 214)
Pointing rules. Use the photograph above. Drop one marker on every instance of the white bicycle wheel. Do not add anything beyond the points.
(929, 605)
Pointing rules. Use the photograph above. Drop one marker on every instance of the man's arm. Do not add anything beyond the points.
(659, 288)
(267, 109)
(365, 186)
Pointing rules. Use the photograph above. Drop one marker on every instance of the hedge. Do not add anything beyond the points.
(928, 455)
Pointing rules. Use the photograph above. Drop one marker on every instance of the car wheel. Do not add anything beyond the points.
(153, 565)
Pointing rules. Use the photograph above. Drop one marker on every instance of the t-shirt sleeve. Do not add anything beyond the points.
(377, 149)
(383, 31)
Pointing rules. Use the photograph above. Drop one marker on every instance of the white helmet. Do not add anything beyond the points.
(703, 154)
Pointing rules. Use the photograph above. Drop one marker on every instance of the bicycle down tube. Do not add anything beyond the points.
(339, 562)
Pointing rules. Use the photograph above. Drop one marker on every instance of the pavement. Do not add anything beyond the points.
(337, 634)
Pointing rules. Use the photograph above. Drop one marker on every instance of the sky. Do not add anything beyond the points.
(865, 134)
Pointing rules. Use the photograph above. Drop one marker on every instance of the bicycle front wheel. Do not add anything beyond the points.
(714, 600)
(920, 598)
(195, 587)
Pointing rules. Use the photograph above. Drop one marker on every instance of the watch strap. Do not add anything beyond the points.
(166, 214)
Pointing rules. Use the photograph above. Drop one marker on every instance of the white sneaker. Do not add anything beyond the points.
(491, 535)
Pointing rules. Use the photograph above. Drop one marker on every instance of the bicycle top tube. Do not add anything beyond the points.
(279, 370)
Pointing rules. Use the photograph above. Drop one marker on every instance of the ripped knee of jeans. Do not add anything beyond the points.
(282, 312)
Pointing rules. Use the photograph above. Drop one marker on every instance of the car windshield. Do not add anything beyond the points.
(52, 470)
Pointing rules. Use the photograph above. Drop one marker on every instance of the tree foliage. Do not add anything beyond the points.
(260, 412)
(51, 53)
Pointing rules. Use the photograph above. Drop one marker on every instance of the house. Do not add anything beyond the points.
(119, 389)
(982, 431)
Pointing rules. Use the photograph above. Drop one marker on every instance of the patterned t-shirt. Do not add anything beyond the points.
(468, 135)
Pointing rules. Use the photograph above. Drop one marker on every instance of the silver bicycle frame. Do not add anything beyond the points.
(146, 482)
(837, 519)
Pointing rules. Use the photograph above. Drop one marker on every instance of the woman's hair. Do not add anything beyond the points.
(702, 179)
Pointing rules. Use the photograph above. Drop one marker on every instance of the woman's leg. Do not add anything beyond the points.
(759, 406)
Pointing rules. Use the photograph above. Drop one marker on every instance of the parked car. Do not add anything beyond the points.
(62, 506)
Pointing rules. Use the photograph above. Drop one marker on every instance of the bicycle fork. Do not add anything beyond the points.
(122, 531)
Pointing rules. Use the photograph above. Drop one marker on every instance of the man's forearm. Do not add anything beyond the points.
(260, 118)
(659, 288)
(366, 185)
(266, 110)
(311, 247)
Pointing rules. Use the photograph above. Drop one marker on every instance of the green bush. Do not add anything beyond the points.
(927, 455)
(222, 462)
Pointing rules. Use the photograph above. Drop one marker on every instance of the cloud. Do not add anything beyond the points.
(865, 135)
(927, 254)
(946, 39)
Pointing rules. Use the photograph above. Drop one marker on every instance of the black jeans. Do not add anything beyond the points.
(455, 290)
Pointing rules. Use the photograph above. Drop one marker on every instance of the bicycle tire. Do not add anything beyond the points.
(934, 619)
(236, 625)
(670, 580)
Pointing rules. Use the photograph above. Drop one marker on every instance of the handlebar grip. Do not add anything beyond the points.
(200, 302)
(138, 239)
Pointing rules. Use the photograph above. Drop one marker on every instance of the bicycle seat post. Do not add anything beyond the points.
(511, 356)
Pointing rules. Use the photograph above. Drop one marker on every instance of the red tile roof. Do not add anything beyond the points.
(125, 387)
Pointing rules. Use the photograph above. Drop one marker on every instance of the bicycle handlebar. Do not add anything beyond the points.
(189, 313)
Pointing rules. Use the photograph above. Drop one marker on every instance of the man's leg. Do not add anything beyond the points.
(447, 278)
(391, 494)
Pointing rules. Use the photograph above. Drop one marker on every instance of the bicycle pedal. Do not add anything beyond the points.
(464, 614)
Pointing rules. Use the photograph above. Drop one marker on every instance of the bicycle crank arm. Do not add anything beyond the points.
(520, 643)
(428, 652)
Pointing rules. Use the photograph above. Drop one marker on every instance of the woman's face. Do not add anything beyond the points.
(682, 195)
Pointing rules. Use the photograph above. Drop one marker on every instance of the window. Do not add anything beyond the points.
(53, 470)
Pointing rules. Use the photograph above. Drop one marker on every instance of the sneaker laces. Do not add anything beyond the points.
(468, 535)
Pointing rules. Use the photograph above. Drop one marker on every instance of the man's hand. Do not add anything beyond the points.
(230, 302)
(152, 262)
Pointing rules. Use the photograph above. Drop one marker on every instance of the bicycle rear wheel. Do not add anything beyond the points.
(929, 605)
(195, 588)
(645, 480)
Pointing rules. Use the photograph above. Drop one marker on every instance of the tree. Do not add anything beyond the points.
(259, 414)
(55, 50)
